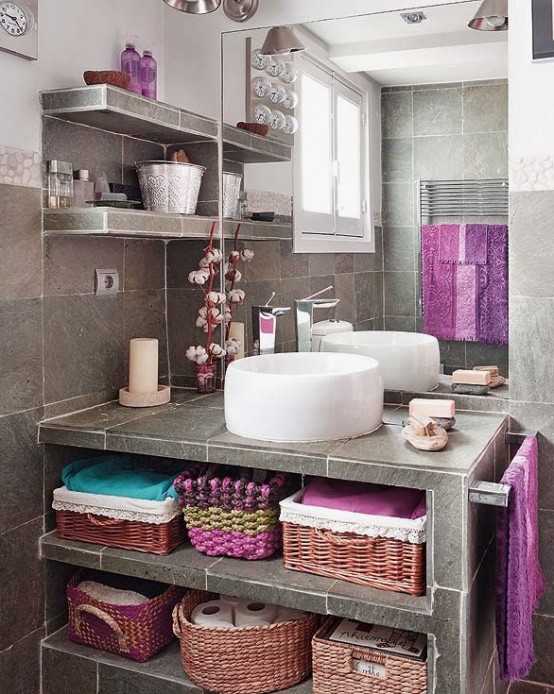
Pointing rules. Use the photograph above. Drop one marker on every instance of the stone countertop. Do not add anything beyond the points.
(192, 427)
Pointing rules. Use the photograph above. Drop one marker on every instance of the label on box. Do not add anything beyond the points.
(382, 639)
(371, 669)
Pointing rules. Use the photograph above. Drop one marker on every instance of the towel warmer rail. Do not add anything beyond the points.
(487, 197)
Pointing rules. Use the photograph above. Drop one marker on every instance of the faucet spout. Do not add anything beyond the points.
(304, 315)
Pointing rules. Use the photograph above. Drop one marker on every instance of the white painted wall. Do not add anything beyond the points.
(531, 90)
(193, 47)
(74, 35)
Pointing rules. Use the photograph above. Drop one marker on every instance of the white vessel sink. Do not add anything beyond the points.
(303, 397)
(408, 361)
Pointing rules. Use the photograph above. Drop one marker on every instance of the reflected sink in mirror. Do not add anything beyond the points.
(303, 397)
(408, 361)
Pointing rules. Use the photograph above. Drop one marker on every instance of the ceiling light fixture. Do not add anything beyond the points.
(237, 10)
(281, 41)
(240, 10)
(194, 6)
(492, 15)
(413, 17)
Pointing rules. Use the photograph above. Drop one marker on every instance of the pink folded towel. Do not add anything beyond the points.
(371, 499)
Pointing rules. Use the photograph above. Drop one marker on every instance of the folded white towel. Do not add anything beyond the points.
(114, 596)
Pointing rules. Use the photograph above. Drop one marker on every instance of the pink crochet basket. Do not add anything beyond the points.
(137, 632)
(233, 512)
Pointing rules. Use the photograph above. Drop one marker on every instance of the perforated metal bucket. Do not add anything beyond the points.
(231, 194)
(170, 186)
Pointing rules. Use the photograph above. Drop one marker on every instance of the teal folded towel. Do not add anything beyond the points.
(130, 476)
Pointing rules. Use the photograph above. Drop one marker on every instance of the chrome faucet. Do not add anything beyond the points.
(264, 326)
(304, 318)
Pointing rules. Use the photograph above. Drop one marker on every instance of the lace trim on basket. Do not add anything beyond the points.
(119, 514)
(414, 535)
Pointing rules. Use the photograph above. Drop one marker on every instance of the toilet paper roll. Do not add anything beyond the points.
(250, 613)
(284, 614)
(231, 600)
(213, 614)
(236, 332)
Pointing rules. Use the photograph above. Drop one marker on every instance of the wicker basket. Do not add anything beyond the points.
(243, 660)
(228, 513)
(160, 538)
(380, 562)
(334, 670)
(137, 632)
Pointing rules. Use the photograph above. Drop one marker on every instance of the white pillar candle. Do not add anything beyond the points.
(143, 365)
(237, 333)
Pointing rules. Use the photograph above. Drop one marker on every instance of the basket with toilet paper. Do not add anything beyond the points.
(232, 645)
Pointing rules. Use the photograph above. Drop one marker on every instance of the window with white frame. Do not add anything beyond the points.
(331, 165)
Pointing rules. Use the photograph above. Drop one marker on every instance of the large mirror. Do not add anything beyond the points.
(375, 161)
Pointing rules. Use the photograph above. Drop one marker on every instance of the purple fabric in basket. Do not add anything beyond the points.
(371, 499)
(519, 578)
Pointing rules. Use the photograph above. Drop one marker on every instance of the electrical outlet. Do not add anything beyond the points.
(107, 282)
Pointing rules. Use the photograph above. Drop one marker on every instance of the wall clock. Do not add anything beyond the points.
(19, 28)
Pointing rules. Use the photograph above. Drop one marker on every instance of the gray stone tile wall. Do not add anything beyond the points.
(357, 282)
(451, 131)
(532, 405)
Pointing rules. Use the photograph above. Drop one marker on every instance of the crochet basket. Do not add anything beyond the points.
(336, 670)
(137, 632)
(229, 513)
(377, 551)
(243, 660)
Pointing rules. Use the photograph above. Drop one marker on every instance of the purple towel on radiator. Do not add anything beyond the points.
(519, 578)
(465, 244)
(465, 282)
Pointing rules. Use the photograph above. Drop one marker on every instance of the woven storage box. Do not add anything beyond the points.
(137, 632)
(377, 551)
(228, 513)
(334, 670)
(159, 532)
(243, 660)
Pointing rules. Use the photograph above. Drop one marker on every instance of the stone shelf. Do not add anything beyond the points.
(119, 111)
(154, 225)
(247, 148)
(266, 581)
(103, 673)
(192, 427)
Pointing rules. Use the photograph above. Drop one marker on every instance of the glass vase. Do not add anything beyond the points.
(206, 378)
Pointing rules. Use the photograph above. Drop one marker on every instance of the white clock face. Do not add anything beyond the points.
(259, 62)
(274, 66)
(261, 87)
(262, 114)
(289, 74)
(291, 99)
(277, 120)
(14, 20)
(276, 93)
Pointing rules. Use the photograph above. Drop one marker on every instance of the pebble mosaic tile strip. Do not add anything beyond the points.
(532, 173)
(20, 167)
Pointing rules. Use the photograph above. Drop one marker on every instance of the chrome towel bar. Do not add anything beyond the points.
(494, 493)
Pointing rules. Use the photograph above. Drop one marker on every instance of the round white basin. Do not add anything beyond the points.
(303, 396)
(408, 361)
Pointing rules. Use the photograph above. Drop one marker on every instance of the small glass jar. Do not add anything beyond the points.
(60, 184)
(83, 189)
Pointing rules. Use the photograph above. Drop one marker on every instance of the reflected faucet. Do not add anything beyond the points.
(264, 326)
(304, 318)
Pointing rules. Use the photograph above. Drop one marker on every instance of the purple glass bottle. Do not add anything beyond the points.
(130, 63)
(149, 75)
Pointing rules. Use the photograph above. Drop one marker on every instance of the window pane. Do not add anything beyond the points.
(315, 128)
(348, 156)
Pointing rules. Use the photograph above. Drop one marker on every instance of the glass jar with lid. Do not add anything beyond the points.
(60, 184)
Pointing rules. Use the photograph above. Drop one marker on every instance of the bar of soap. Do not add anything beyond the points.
(493, 370)
(471, 377)
(433, 408)
(469, 389)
